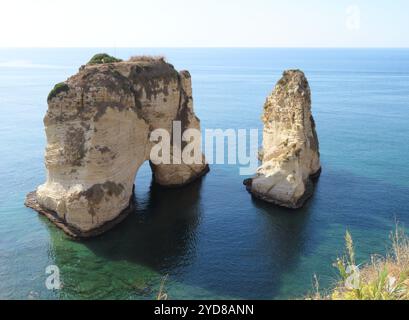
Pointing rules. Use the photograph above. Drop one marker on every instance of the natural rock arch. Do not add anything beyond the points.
(97, 126)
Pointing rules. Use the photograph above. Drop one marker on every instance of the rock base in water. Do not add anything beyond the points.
(71, 231)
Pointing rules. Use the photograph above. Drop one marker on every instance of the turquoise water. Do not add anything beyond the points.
(211, 238)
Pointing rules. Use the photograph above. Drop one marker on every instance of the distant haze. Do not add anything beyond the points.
(210, 23)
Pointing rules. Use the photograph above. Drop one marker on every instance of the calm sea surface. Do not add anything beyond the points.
(211, 238)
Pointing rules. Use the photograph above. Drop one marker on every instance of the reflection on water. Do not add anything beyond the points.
(285, 236)
(158, 238)
(245, 249)
(160, 234)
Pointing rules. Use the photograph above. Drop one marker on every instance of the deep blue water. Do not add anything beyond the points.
(211, 238)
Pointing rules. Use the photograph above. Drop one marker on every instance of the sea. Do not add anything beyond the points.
(211, 240)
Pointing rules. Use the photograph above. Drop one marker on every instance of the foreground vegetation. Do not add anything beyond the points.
(383, 278)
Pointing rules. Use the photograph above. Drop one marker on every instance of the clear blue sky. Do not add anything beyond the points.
(191, 23)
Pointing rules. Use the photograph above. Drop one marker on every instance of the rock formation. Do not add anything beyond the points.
(290, 155)
(98, 126)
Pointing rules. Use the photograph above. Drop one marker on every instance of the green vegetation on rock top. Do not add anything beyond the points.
(101, 58)
(58, 88)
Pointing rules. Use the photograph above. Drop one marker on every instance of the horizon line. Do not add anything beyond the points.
(199, 47)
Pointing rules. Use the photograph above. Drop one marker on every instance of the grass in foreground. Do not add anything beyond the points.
(162, 294)
(384, 278)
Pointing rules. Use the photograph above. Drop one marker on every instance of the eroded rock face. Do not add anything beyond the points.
(98, 125)
(290, 157)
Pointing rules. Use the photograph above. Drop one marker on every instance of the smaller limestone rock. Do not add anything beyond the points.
(290, 158)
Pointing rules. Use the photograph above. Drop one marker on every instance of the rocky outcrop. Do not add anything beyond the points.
(290, 155)
(98, 127)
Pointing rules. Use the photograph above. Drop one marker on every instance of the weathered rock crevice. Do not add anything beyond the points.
(290, 155)
(98, 125)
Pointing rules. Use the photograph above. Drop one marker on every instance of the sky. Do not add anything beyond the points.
(204, 23)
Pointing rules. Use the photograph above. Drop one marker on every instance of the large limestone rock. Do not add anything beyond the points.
(290, 157)
(98, 125)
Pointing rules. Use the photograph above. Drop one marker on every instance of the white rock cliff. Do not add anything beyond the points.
(97, 126)
(290, 156)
